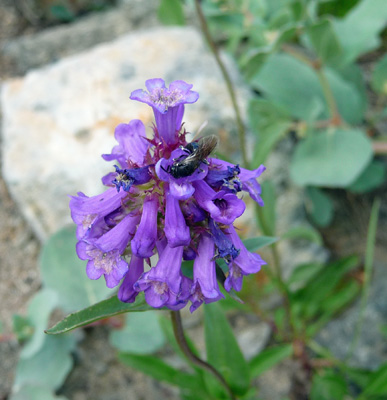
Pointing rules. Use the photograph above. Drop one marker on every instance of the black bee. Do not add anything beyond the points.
(197, 154)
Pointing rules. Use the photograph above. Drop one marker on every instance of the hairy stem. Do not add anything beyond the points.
(227, 79)
(182, 342)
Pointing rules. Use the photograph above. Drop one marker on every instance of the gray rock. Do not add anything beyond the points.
(59, 119)
(51, 45)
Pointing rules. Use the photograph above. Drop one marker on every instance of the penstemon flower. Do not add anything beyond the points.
(164, 198)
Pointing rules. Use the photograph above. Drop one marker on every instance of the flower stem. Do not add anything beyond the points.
(182, 342)
(226, 77)
(283, 288)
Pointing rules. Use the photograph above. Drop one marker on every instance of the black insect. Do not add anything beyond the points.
(197, 153)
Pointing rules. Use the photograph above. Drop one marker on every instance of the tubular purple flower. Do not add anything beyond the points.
(167, 104)
(244, 264)
(247, 177)
(227, 180)
(205, 286)
(125, 178)
(145, 238)
(85, 211)
(127, 293)
(132, 144)
(181, 188)
(223, 243)
(193, 212)
(104, 253)
(223, 207)
(162, 283)
(176, 230)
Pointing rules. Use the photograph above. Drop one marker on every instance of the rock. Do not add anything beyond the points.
(58, 120)
(52, 44)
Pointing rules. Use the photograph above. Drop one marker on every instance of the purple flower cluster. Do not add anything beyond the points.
(147, 210)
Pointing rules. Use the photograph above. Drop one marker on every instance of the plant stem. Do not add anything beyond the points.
(227, 79)
(282, 286)
(182, 342)
(336, 119)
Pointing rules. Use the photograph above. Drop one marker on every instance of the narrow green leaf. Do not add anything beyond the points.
(303, 232)
(171, 12)
(161, 371)
(368, 267)
(319, 206)
(377, 385)
(256, 243)
(141, 334)
(63, 272)
(223, 351)
(268, 358)
(329, 386)
(305, 273)
(331, 158)
(103, 309)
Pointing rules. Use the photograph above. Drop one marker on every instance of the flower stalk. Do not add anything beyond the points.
(183, 344)
(227, 79)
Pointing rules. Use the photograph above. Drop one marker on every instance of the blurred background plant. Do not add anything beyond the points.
(317, 72)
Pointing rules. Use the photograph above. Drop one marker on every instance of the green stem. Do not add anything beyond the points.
(183, 344)
(369, 258)
(326, 87)
(282, 286)
(227, 79)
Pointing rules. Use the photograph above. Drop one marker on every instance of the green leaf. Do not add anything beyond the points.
(305, 273)
(303, 232)
(359, 31)
(161, 371)
(33, 392)
(290, 84)
(140, 335)
(62, 13)
(372, 177)
(377, 385)
(223, 351)
(319, 206)
(104, 309)
(331, 158)
(22, 327)
(379, 76)
(323, 286)
(65, 273)
(270, 124)
(324, 40)
(329, 386)
(268, 358)
(49, 366)
(171, 12)
(294, 85)
(256, 243)
(39, 311)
